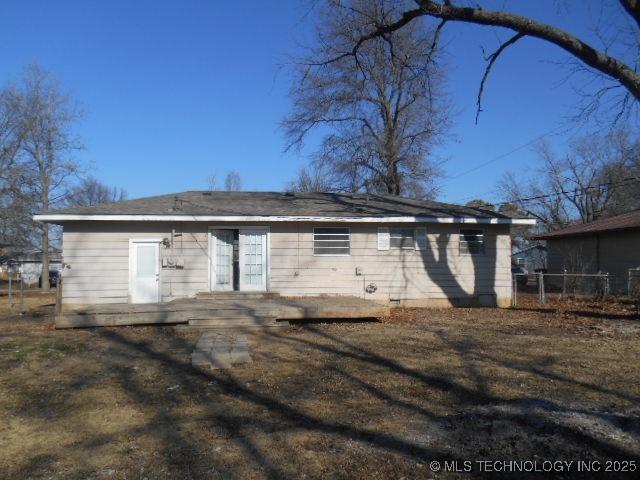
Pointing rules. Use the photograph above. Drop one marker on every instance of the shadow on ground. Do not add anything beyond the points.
(365, 400)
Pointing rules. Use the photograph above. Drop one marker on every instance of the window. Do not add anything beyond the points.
(521, 261)
(471, 242)
(401, 238)
(331, 241)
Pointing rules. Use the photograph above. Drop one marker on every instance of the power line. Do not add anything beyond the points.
(557, 130)
(577, 191)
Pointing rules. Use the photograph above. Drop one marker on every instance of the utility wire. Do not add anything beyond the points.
(555, 131)
(577, 191)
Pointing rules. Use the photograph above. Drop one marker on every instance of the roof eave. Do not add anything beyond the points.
(555, 235)
(67, 217)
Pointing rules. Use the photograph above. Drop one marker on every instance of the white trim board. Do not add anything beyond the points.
(68, 217)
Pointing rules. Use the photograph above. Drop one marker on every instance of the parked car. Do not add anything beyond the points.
(521, 273)
(53, 278)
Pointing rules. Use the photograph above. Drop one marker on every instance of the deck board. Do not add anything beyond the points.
(183, 310)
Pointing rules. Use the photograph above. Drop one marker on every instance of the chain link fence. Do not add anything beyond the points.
(559, 286)
(14, 288)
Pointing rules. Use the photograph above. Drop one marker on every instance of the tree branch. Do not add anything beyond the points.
(632, 7)
(492, 59)
(596, 59)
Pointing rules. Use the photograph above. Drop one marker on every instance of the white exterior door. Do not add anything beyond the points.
(222, 253)
(144, 271)
(253, 260)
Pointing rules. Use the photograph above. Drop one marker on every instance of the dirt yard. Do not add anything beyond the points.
(342, 400)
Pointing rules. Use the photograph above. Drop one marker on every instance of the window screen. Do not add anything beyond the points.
(401, 238)
(331, 241)
(471, 242)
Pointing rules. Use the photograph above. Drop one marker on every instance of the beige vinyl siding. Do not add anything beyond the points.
(98, 254)
(439, 271)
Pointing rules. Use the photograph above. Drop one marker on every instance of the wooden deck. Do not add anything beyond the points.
(223, 310)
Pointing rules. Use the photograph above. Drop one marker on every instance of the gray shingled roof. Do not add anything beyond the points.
(280, 204)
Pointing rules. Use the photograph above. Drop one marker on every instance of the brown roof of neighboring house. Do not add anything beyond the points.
(619, 222)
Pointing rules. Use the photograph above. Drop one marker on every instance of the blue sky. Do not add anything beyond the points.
(176, 90)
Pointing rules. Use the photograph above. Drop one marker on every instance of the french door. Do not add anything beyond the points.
(251, 259)
(222, 260)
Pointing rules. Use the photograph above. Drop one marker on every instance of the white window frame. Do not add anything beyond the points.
(460, 240)
(313, 246)
(413, 245)
(521, 262)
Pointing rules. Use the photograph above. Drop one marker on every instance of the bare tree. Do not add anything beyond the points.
(91, 191)
(311, 179)
(14, 211)
(48, 143)
(383, 110)
(10, 132)
(617, 72)
(233, 182)
(212, 182)
(593, 180)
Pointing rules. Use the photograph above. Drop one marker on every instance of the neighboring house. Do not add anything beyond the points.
(29, 264)
(377, 247)
(610, 245)
(5, 265)
(532, 258)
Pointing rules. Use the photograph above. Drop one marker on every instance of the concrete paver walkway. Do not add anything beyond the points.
(218, 349)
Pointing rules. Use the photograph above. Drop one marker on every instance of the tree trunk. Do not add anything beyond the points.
(393, 179)
(45, 258)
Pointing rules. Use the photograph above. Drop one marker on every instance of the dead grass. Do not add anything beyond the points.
(32, 301)
(344, 400)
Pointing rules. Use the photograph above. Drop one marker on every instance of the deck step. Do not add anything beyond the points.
(231, 315)
(210, 328)
(232, 321)
(236, 295)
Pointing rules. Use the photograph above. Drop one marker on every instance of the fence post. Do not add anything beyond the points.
(21, 294)
(606, 285)
(10, 299)
(541, 298)
(564, 283)
(514, 291)
(629, 283)
(58, 309)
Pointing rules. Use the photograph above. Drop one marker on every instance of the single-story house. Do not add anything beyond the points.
(610, 245)
(533, 257)
(378, 247)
